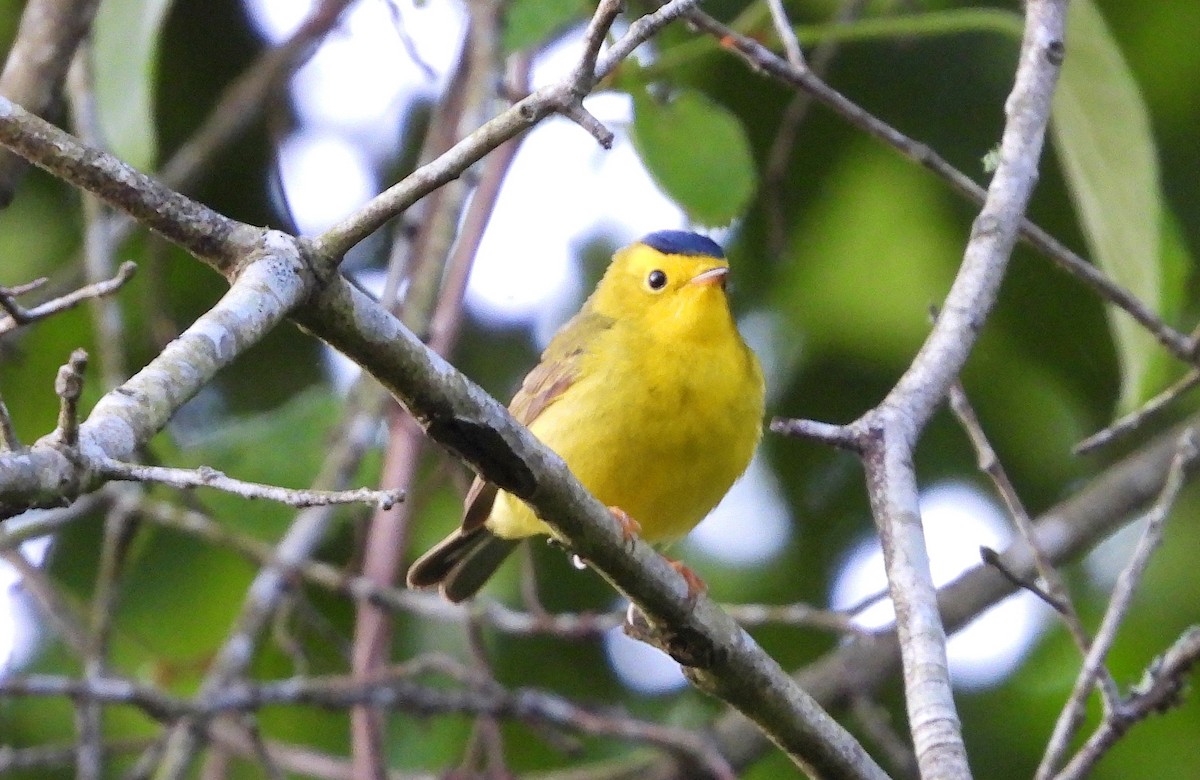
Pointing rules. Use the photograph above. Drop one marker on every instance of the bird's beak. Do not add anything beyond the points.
(711, 276)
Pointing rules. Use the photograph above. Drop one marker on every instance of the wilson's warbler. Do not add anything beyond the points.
(650, 396)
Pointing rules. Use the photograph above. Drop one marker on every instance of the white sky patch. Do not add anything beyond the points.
(1109, 558)
(639, 666)
(562, 186)
(326, 177)
(276, 20)
(364, 78)
(957, 519)
(18, 622)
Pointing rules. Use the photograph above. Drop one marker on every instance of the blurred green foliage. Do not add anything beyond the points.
(870, 241)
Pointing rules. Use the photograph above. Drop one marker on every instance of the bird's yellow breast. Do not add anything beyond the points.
(660, 421)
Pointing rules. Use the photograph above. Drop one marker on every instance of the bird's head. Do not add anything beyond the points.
(670, 280)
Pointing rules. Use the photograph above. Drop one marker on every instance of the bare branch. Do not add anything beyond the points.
(887, 434)
(242, 103)
(63, 619)
(775, 170)
(454, 412)
(42, 475)
(1069, 720)
(1057, 594)
(99, 244)
(1138, 417)
(393, 690)
(1064, 532)
(18, 315)
(1161, 689)
(422, 264)
(841, 436)
(876, 722)
(37, 65)
(50, 757)
(787, 36)
(210, 477)
(8, 435)
(527, 112)
(120, 527)
(204, 232)
(763, 60)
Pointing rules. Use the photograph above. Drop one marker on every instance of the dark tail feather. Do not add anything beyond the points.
(461, 563)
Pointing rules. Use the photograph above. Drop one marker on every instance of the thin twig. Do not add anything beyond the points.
(270, 586)
(763, 60)
(206, 233)
(562, 97)
(120, 526)
(787, 35)
(775, 171)
(428, 606)
(1160, 689)
(843, 437)
(422, 262)
(874, 719)
(100, 247)
(394, 689)
(45, 758)
(1072, 714)
(996, 561)
(18, 316)
(8, 434)
(61, 616)
(1138, 417)
(211, 478)
(1056, 594)
(37, 64)
(888, 433)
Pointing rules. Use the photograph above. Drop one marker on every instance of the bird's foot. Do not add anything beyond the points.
(630, 528)
(696, 587)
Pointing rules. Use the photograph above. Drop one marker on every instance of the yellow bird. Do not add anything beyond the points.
(648, 393)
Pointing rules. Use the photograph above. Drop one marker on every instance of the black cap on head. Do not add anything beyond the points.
(682, 242)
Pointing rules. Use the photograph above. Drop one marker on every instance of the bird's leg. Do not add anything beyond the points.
(630, 528)
(696, 587)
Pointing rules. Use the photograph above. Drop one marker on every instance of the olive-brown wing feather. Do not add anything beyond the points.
(545, 384)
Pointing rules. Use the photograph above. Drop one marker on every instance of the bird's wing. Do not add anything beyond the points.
(545, 384)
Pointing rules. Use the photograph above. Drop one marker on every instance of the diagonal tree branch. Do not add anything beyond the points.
(37, 65)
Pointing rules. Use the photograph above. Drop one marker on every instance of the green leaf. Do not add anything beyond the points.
(697, 151)
(125, 50)
(529, 23)
(1102, 133)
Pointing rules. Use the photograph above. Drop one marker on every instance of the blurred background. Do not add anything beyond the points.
(838, 245)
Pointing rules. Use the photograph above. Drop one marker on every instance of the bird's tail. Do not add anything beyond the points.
(461, 563)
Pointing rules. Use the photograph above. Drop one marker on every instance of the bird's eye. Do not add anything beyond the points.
(656, 280)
